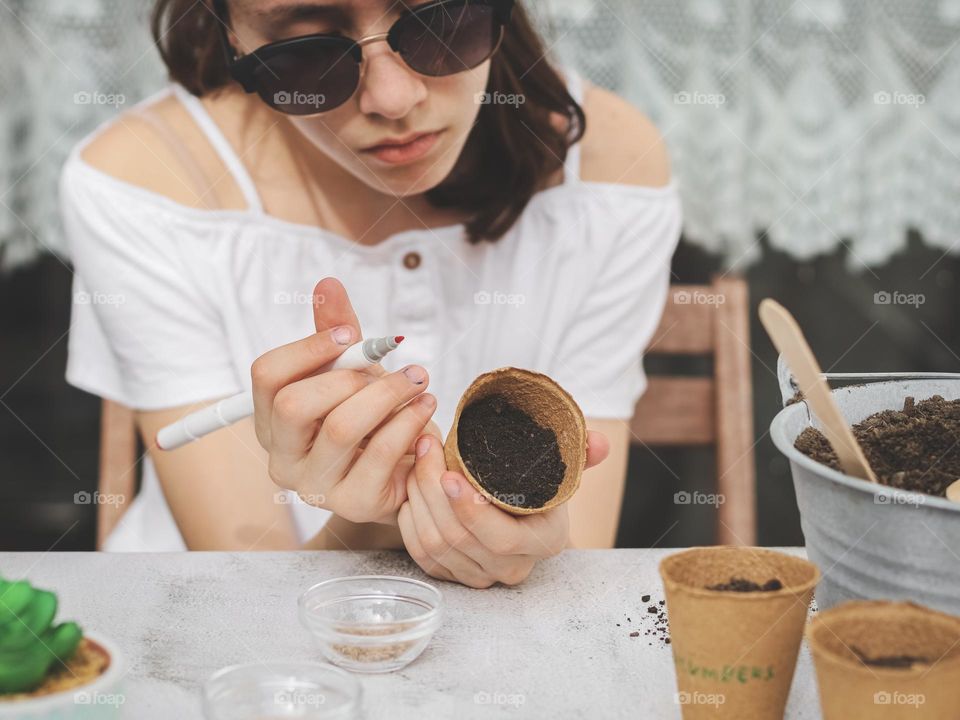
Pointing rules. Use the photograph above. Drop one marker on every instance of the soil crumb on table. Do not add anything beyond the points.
(655, 622)
(916, 449)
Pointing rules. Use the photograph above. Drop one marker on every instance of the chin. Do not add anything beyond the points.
(408, 180)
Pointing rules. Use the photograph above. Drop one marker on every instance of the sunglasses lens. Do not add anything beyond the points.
(447, 38)
(308, 78)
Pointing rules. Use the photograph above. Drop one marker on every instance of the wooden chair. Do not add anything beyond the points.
(689, 411)
(118, 465)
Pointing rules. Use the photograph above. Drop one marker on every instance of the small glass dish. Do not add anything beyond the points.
(276, 690)
(371, 623)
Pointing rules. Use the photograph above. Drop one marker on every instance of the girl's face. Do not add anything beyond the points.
(401, 132)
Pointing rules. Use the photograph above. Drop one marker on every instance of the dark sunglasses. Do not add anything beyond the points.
(312, 74)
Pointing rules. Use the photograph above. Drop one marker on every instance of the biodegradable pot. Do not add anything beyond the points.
(879, 543)
(850, 690)
(550, 406)
(735, 652)
(100, 699)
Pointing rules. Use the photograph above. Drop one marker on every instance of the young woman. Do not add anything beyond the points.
(450, 185)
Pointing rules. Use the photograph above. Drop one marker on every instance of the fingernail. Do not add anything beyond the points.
(342, 335)
(427, 400)
(423, 444)
(414, 374)
(451, 486)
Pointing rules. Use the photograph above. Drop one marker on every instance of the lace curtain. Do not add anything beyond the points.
(826, 123)
(65, 66)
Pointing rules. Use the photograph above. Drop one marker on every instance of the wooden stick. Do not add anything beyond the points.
(789, 340)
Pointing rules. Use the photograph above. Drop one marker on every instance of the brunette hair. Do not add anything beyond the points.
(508, 155)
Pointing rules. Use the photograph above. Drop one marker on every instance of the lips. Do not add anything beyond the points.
(403, 149)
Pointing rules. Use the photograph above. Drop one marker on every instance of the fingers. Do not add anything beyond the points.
(291, 362)
(395, 438)
(431, 428)
(299, 408)
(429, 467)
(438, 551)
(408, 532)
(598, 447)
(332, 307)
(352, 420)
(541, 535)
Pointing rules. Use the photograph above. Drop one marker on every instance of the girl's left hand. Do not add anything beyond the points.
(454, 533)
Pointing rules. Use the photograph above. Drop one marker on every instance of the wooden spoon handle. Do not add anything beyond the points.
(789, 340)
(953, 491)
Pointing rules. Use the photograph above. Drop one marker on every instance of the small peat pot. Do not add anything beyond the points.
(885, 660)
(874, 541)
(736, 621)
(520, 439)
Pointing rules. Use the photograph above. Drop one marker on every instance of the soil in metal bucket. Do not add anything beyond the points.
(513, 457)
(916, 449)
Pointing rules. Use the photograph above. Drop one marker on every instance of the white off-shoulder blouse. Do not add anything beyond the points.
(172, 304)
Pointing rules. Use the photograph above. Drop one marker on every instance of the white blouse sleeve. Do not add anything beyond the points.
(625, 291)
(143, 331)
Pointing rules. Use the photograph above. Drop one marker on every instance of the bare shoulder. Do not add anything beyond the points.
(621, 144)
(174, 162)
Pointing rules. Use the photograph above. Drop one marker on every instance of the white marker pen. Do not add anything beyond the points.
(358, 356)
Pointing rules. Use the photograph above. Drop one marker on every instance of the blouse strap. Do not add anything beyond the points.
(226, 152)
(571, 166)
(205, 190)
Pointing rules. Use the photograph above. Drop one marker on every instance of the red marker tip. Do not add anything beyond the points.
(398, 338)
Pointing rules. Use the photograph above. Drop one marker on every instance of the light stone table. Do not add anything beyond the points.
(548, 648)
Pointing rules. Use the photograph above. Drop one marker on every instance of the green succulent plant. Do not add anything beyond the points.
(29, 641)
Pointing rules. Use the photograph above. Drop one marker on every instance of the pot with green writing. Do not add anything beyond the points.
(736, 622)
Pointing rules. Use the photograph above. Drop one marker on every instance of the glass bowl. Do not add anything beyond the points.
(279, 690)
(371, 623)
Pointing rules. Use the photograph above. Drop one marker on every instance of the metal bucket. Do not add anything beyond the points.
(871, 541)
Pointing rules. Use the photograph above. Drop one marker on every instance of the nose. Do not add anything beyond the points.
(388, 87)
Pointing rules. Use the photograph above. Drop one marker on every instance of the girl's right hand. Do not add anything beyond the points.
(339, 438)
